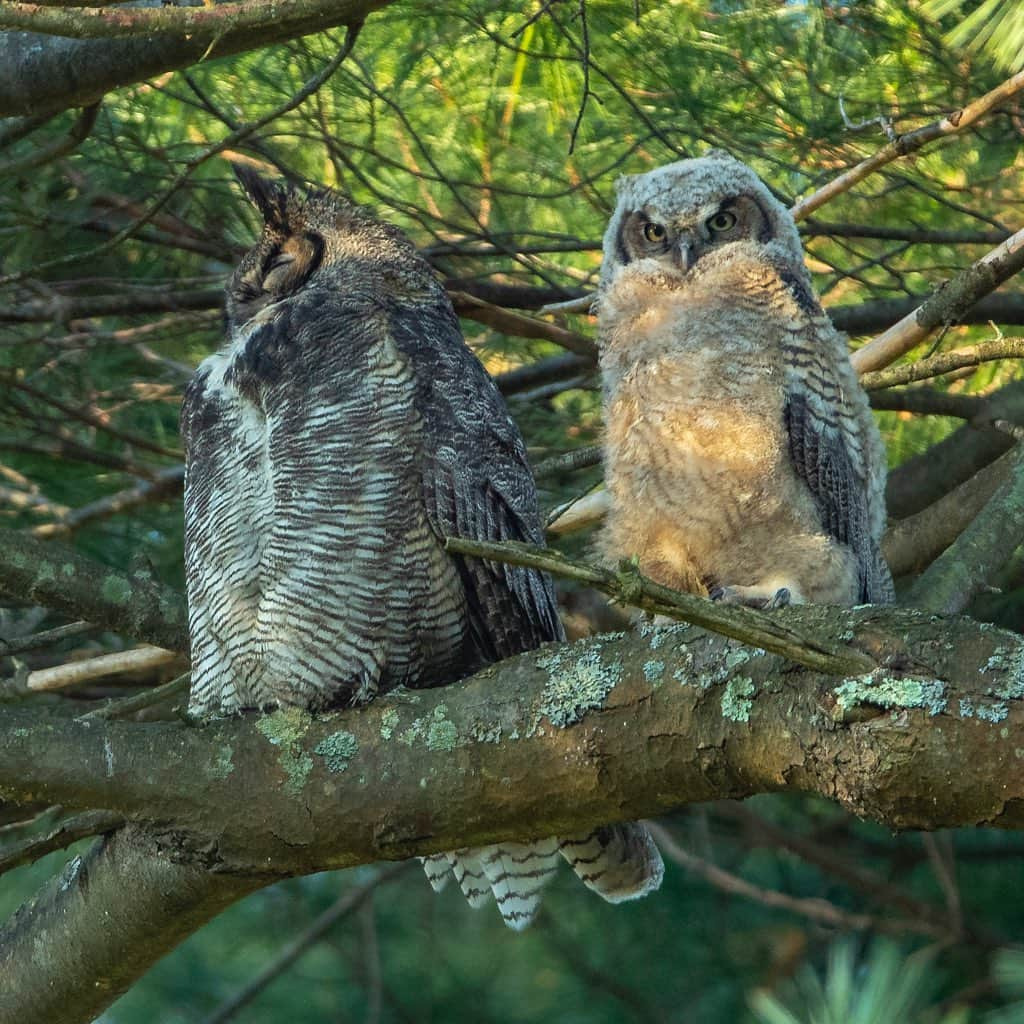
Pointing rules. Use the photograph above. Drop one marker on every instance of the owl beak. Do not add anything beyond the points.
(682, 254)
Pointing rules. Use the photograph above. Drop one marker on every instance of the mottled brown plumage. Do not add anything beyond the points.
(741, 456)
(342, 432)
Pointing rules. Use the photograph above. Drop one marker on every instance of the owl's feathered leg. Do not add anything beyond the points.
(618, 862)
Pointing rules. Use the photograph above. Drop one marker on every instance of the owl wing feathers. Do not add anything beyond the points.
(477, 484)
(821, 413)
(477, 481)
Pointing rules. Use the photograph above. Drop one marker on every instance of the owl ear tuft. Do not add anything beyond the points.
(269, 198)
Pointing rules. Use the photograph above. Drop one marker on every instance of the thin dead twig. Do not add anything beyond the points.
(815, 909)
(20, 645)
(903, 145)
(520, 326)
(344, 906)
(629, 586)
(74, 673)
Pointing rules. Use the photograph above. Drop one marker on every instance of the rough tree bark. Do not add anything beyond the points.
(620, 726)
(42, 75)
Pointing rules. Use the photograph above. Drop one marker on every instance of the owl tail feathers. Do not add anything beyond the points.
(618, 862)
(513, 873)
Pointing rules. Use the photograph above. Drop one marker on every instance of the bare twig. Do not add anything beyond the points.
(944, 362)
(629, 586)
(49, 636)
(78, 133)
(910, 143)
(815, 909)
(140, 701)
(346, 904)
(945, 306)
(520, 326)
(166, 484)
(578, 458)
(930, 402)
(74, 673)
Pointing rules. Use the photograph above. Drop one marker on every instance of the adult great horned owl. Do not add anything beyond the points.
(342, 432)
(741, 456)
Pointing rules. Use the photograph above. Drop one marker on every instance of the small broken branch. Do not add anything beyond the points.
(60, 836)
(74, 673)
(903, 145)
(945, 306)
(629, 586)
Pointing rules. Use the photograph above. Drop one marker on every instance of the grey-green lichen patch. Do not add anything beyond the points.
(993, 713)
(46, 573)
(224, 765)
(987, 711)
(879, 690)
(337, 750)
(720, 669)
(1012, 665)
(577, 682)
(441, 733)
(487, 732)
(653, 671)
(284, 729)
(435, 730)
(738, 698)
(388, 721)
(115, 590)
(67, 570)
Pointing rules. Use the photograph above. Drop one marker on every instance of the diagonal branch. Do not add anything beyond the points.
(903, 145)
(65, 581)
(629, 586)
(946, 306)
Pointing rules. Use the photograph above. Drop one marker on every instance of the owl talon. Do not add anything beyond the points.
(750, 598)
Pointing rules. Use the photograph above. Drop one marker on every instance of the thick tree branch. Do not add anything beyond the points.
(41, 75)
(60, 578)
(96, 928)
(953, 579)
(619, 726)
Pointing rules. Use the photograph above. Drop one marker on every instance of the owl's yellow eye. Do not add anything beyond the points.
(722, 221)
(654, 232)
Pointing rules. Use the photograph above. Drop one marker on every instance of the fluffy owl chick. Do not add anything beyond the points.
(741, 456)
(342, 432)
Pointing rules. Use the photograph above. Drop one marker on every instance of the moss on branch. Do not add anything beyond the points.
(60, 578)
(610, 728)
